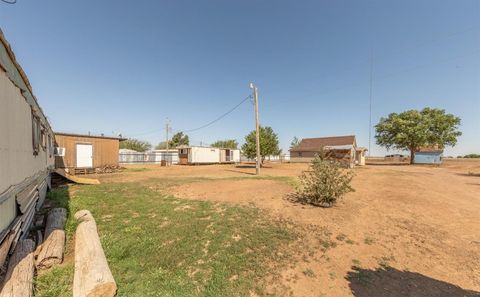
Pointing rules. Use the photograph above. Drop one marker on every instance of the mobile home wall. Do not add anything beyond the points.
(26, 151)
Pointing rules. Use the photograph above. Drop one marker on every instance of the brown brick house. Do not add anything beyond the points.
(341, 148)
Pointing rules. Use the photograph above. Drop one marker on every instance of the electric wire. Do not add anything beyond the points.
(203, 126)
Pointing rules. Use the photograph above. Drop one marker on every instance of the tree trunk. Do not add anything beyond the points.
(412, 155)
(51, 250)
(92, 275)
(19, 278)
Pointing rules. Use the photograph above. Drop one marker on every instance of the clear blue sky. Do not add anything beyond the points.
(125, 66)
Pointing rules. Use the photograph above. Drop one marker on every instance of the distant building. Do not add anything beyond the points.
(166, 157)
(83, 153)
(190, 155)
(428, 155)
(341, 148)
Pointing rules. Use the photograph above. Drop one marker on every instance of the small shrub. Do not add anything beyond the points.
(325, 183)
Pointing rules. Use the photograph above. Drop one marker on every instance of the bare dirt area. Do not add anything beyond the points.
(405, 231)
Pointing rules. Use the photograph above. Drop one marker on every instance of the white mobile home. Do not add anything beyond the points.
(207, 155)
(26, 152)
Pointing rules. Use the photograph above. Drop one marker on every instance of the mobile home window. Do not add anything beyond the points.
(43, 138)
(36, 133)
(50, 147)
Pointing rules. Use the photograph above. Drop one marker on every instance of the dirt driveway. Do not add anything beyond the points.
(406, 231)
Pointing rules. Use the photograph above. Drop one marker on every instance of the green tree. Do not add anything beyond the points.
(179, 139)
(472, 156)
(136, 145)
(227, 143)
(413, 129)
(295, 143)
(268, 144)
(161, 146)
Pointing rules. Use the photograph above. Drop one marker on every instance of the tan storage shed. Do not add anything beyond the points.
(84, 153)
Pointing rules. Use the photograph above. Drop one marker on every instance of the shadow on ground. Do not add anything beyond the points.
(390, 282)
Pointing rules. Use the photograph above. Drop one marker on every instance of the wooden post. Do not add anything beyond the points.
(19, 277)
(92, 275)
(257, 128)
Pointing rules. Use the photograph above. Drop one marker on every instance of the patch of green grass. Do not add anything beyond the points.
(332, 275)
(368, 240)
(56, 282)
(384, 261)
(349, 241)
(158, 245)
(356, 262)
(327, 244)
(309, 272)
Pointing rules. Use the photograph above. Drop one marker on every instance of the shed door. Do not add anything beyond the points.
(84, 156)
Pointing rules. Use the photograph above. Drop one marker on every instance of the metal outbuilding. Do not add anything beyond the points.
(428, 155)
(190, 155)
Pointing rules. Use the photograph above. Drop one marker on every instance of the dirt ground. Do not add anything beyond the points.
(405, 231)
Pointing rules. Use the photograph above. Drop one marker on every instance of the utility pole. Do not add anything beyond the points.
(370, 114)
(257, 127)
(166, 132)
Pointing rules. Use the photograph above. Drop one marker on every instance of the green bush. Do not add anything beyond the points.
(325, 182)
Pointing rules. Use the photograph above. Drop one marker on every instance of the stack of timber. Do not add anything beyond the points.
(50, 251)
(19, 278)
(92, 275)
(108, 169)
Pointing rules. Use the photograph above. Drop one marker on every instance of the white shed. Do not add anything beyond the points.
(207, 155)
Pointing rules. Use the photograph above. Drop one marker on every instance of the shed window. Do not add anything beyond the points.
(36, 133)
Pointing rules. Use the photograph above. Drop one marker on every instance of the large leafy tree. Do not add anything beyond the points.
(413, 129)
(179, 139)
(227, 143)
(136, 145)
(268, 144)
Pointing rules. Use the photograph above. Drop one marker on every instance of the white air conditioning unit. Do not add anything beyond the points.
(59, 152)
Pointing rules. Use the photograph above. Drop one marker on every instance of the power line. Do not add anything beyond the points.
(220, 117)
(203, 126)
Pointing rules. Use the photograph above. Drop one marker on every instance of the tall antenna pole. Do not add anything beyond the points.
(166, 132)
(370, 106)
(257, 127)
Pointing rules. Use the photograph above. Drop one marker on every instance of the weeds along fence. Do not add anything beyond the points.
(148, 157)
(272, 158)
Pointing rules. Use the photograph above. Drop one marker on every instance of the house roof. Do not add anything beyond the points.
(315, 144)
(90, 136)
